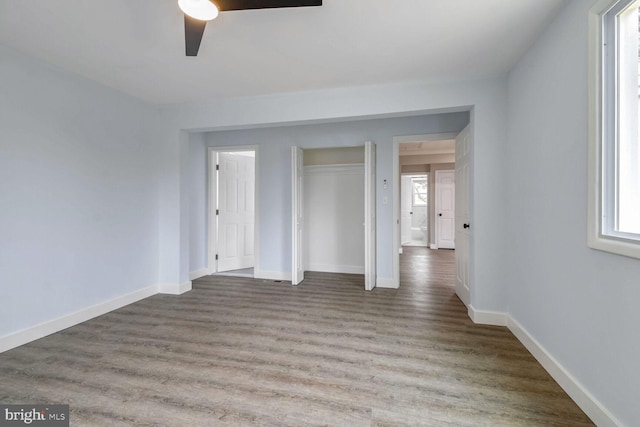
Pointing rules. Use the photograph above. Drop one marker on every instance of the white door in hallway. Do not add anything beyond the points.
(445, 209)
(236, 211)
(405, 208)
(464, 143)
(297, 215)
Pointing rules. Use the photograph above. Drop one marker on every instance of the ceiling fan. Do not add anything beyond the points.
(198, 12)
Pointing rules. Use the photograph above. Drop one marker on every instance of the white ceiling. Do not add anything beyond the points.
(137, 46)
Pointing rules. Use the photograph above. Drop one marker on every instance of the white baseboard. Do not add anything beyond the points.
(272, 275)
(33, 333)
(585, 400)
(174, 289)
(387, 283)
(328, 268)
(494, 318)
(198, 273)
(433, 246)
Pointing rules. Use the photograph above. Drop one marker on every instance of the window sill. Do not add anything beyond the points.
(629, 248)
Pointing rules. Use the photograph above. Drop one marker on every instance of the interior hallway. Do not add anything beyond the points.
(239, 351)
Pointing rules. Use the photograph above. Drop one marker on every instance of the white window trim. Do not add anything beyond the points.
(595, 237)
(413, 193)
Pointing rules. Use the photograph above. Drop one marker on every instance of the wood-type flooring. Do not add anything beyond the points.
(244, 352)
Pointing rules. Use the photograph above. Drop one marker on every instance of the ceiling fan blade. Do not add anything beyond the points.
(194, 28)
(193, 31)
(227, 5)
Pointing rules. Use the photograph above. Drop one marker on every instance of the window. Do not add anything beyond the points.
(614, 193)
(420, 193)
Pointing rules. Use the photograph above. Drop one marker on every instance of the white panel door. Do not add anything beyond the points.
(406, 203)
(464, 142)
(369, 216)
(297, 215)
(445, 209)
(236, 197)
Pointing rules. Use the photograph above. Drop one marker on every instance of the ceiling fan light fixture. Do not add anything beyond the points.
(203, 10)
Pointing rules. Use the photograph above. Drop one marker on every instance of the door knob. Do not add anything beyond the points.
(410, 213)
(439, 214)
(466, 226)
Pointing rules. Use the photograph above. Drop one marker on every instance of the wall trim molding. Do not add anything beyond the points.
(482, 317)
(198, 273)
(433, 246)
(49, 327)
(330, 268)
(387, 283)
(173, 288)
(272, 275)
(583, 398)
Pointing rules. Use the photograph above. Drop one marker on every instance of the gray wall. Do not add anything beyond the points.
(79, 191)
(578, 303)
(198, 209)
(274, 175)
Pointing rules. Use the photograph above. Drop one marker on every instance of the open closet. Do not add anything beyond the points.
(334, 210)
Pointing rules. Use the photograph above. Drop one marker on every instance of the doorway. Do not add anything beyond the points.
(333, 212)
(414, 205)
(460, 164)
(232, 211)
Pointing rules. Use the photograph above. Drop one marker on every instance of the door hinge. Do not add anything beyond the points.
(217, 211)
(217, 167)
(216, 257)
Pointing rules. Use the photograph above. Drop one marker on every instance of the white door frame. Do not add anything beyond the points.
(212, 193)
(297, 215)
(397, 140)
(414, 175)
(370, 223)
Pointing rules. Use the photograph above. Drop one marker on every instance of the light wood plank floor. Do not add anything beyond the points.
(239, 351)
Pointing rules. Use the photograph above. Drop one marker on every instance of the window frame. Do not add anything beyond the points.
(602, 124)
(414, 192)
